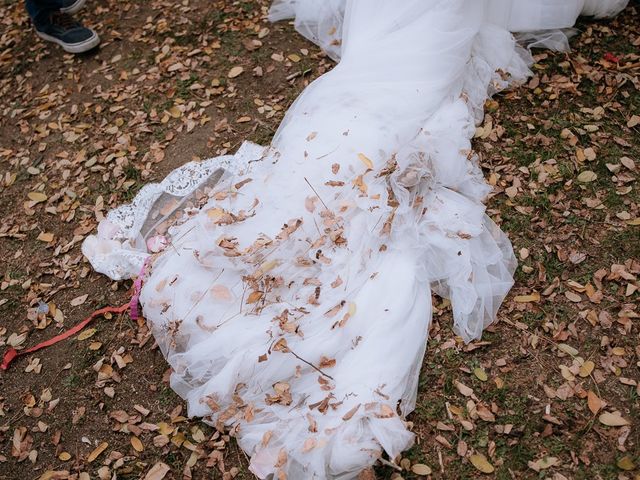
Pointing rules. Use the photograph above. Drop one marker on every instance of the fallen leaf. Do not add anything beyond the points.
(137, 444)
(480, 374)
(543, 463)
(366, 160)
(463, 389)
(421, 469)
(612, 419)
(97, 451)
(157, 472)
(586, 368)
(625, 463)
(568, 349)
(79, 300)
(481, 463)
(37, 197)
(587, 176)
(534, 297)
(235, 72)
(45, 237)
(88, 333)
(254, 297)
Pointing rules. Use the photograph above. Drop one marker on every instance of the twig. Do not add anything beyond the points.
(288, 350)
(317, 194)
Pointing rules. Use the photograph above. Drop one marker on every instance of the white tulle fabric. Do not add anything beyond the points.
(293, 300)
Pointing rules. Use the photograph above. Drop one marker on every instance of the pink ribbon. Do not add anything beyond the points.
(137, 287)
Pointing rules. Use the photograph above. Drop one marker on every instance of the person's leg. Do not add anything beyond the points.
(40, 10)
(52, 22)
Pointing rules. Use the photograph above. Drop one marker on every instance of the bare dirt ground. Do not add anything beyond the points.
(551, 391)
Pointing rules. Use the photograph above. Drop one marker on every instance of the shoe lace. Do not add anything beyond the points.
(63, 20)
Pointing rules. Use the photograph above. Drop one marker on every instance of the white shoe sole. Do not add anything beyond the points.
(79, 47)
(74, 8)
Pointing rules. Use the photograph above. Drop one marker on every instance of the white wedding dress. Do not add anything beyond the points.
(289, 287)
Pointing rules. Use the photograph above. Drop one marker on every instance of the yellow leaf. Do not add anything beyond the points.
(95, 345)
(294, 57)
(137, 444)
(534, 297)
(164, 428)
(586, 368)
(480, 374)
(88, 333)
(613, 419)
(366, 160)
(481, 463)
(37, 196)
(97, 451)
(64, 456)
(625, 463)
(175, 112)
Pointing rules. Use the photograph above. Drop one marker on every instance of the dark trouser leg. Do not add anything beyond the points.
(39, 10)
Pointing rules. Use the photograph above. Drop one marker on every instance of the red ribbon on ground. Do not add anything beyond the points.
(12, 353)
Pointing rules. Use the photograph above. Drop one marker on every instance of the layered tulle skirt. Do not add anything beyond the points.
(289, 286)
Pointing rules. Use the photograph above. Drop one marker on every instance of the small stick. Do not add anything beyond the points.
(317, 195)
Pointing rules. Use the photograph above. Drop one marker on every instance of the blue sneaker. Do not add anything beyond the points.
(68, 33)
(72, 6)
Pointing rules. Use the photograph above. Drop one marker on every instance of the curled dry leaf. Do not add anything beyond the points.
(254, 297)
(97, 451)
